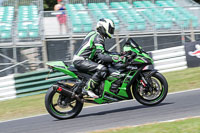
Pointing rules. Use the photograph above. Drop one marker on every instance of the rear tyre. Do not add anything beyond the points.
(61, 107)
(158, 93)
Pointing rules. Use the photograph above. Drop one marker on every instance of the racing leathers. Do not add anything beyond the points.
(87, 58)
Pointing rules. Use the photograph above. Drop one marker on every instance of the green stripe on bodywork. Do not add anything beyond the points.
(60, 66)
(135, 50)
(138, 60)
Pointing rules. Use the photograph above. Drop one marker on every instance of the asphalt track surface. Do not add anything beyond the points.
(126, 113)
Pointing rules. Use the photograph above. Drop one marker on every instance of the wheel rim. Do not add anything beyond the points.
(62, 106)
(154, 94)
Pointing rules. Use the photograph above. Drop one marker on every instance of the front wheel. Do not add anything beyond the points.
(154, 93)
(61, 107)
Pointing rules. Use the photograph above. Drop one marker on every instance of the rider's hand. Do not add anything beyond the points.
(130, 55)
(123, 53)
(133, 55)
(123, 59)
(117, 58)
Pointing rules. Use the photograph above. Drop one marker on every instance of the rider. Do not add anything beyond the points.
(92, 52)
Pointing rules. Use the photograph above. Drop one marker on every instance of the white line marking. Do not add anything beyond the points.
(184, 91)
(98, 105)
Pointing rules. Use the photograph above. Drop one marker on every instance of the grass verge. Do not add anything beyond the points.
(23, 107)
(183, 80)
(34, 105)
(190, 125)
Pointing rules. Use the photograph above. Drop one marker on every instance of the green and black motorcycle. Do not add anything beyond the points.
(125, 81)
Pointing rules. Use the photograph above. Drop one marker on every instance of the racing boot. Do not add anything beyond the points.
(91, 84)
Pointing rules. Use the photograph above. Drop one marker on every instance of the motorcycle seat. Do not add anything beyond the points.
(79, 73)
(72, 68)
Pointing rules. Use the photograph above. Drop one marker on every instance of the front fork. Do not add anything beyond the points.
(146, 83)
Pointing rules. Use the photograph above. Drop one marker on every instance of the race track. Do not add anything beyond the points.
(178, 105)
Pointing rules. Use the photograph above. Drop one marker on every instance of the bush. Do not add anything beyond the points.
(198, 1)
(49, 5)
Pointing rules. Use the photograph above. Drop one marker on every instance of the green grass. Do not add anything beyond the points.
(34, 105)
(182, 126)
(22, 107)
(183, 80)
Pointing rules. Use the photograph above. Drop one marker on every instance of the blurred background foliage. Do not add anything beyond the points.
(197, 1)
(49, 5)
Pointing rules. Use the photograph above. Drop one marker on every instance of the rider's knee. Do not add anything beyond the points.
(103, 71)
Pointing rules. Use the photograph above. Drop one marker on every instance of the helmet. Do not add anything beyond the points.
(106, 27)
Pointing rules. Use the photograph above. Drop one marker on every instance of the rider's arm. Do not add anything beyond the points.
(107, 57)
(102, 55)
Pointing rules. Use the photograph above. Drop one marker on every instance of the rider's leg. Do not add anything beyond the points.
(89, 66)
(95, 81)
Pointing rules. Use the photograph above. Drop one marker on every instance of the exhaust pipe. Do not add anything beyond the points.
(66, 92)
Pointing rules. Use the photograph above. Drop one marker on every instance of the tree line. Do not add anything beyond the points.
(198, 1)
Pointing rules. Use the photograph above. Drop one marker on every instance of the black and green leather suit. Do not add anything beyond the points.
(90, 53)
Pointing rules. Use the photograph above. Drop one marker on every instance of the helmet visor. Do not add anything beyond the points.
(111, 29)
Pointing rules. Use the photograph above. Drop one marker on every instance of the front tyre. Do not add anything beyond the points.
(151, 95)
(61, 107)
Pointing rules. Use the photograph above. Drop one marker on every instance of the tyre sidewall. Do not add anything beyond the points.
(164, 92)
(48, 98)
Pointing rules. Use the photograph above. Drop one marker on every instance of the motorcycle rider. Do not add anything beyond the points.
(92, 52)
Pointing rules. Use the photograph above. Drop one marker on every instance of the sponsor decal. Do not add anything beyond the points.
(192, 50)
(195, 52)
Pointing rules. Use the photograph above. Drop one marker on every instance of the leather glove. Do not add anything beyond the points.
(117, 58)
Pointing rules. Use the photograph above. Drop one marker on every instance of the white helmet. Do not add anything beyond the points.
(106, 27)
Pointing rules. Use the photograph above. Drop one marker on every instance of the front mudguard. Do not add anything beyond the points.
(149, 72)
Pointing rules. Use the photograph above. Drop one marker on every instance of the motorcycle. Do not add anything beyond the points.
(125, 81)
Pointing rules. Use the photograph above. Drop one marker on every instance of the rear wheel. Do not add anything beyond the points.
(154, 94)
(61, 107)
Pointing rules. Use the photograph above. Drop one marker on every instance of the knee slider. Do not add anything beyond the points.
(104, 69)
(103, 72)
